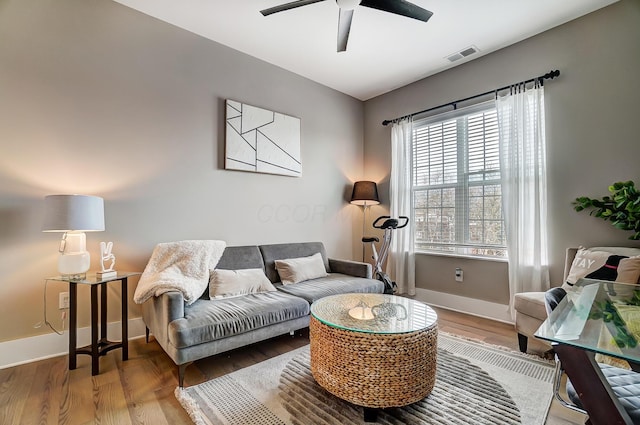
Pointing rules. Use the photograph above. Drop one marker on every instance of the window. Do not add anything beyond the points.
(456, 183)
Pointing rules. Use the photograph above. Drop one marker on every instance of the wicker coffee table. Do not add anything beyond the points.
(374, 350)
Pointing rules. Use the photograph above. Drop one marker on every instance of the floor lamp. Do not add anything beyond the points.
(365, 193)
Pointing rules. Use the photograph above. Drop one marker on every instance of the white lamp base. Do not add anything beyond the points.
(74, 260)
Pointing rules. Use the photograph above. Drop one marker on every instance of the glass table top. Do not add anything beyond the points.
(373, 313)
(599, 316)
(92, 279)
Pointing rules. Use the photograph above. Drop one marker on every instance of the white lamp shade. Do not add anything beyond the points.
(67, 213)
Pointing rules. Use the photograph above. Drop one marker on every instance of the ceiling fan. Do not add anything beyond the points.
(398, 7)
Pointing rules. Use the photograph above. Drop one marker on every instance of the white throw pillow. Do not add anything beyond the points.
(233, 283)
(585, 262)
(629, 270)
(294, 270)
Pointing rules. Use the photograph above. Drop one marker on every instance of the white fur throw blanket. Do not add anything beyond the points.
(179, 266)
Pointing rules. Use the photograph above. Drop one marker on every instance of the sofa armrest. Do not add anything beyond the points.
(352, 268)
(158, 312)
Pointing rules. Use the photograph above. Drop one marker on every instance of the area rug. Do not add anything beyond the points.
(476, 383)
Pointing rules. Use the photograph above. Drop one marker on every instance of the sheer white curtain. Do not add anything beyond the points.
(401, 261)
(524, 188)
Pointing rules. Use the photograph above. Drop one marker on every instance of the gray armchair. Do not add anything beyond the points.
(530, 306)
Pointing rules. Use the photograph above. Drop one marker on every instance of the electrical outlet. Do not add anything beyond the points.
(63, 302)
(459, 274)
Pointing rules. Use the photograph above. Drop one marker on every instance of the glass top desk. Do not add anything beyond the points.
(596, 317)
(99, 345)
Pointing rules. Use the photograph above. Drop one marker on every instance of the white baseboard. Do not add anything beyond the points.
(475, 307)
(27, 350)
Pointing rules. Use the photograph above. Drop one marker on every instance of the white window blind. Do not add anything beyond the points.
(456, 183)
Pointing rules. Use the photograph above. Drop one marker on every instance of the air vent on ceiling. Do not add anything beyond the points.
(463, 53)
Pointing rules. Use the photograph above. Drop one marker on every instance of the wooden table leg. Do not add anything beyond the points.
(370, 415)
(73, 323)
(103, 313)
(125, 320)
(95, 354)
(597, 397)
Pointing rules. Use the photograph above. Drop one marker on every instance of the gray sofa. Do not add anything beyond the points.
(208, 327)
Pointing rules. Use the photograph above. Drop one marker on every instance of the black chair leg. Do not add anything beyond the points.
(181, 369)
(146, 334)
(522, 342)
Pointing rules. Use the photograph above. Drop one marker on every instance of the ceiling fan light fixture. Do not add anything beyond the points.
(348, 4)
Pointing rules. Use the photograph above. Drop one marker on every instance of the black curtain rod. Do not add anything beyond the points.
(548, 76)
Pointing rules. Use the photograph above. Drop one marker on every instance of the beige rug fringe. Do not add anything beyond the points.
(189, 405)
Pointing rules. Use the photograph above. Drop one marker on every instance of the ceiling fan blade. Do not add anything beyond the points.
(344, 27)
(287, 6)
(399, 7)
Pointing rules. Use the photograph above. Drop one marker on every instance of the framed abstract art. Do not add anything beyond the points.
(261, 141)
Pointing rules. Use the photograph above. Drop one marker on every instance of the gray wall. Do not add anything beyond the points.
(99, 99)
(96, 98)
(592, 131)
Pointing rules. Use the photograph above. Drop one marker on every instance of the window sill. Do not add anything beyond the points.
(466, 257)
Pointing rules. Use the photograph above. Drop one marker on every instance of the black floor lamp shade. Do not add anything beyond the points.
(365, 193)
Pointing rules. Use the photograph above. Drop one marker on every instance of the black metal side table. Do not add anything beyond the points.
(99, 346)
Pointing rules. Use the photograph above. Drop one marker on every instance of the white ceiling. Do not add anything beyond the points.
(385, 51)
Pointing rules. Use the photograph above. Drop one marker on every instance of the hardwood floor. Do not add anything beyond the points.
(140, 390)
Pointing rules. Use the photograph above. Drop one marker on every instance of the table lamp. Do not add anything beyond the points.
(73, 215)
(365, 193)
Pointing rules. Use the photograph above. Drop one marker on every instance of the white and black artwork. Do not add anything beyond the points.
(262, 141)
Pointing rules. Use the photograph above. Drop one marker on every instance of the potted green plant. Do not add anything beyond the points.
(622, 208)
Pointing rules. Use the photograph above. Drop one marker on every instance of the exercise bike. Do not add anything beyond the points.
(388, 225)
